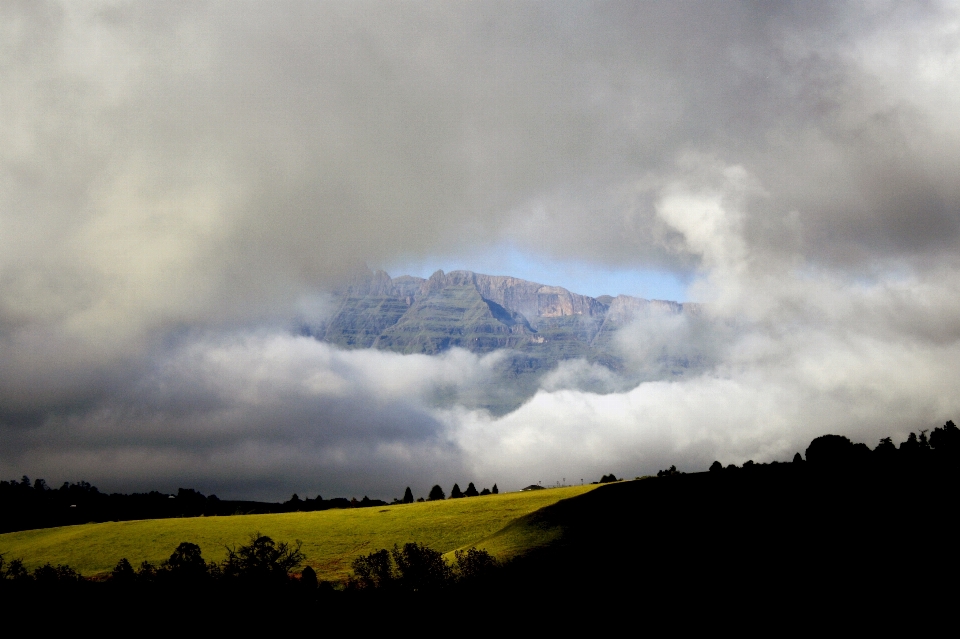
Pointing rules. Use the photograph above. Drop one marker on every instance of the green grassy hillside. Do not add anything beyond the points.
(331, 538)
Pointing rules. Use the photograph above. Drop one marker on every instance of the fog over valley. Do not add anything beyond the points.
(205, 210)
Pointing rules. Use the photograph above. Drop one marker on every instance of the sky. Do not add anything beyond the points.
(179, 180)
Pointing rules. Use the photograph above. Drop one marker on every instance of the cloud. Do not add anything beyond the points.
(177, 185)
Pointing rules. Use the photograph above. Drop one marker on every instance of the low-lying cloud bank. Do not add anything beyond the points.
(264, 414)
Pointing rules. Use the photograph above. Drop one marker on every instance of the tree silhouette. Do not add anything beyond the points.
(186, 563)
(263, 560)
(946, 439)
(471, 491)
(436, 493)
(829, 451)
(147, 572)
(716, 467)
(455, 492)
(420, 568)
(123, 572)
(495, 490)
(886, 448)
(308, 578)
(407, 496)
(374, 570)
(473, 565)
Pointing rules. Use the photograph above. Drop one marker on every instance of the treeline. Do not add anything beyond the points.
(835, 452)
(26, 505)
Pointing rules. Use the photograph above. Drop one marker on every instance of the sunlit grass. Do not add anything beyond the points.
(331, 538)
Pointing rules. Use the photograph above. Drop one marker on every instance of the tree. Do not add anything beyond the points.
(471, 491)
(495, 490)
(59, 574)
(146, 572)
(830, 451)
(408, 496)
(455, 492)
(308, 578)
(797, 459)
(946, 439)
(716, 467)
(420, 568)
(436, 493)
(263, 560)
(485, 491)
(473, 565)
(186, 563)
(123, 572)
(374, 570)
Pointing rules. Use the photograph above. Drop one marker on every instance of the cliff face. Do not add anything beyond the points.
(538, 325)
(480, 313)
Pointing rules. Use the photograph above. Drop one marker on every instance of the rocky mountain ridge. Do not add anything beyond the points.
(482, 313)
(534, 328)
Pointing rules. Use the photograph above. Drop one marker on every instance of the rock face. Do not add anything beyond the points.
(538, 325)
(480, 313)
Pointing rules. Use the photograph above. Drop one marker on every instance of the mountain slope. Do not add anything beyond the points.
(533, 326)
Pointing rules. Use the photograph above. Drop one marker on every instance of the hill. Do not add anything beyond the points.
(331, 538)
(788, 532)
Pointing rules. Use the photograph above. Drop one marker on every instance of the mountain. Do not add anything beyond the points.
(537, 326)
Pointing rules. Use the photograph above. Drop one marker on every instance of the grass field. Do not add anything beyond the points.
(331, 538)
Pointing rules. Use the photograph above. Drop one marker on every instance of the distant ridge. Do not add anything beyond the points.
(477, 312)
(538, 325)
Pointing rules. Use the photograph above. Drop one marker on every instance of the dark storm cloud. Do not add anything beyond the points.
(175, 170)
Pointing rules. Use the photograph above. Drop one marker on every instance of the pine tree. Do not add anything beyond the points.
(495, 490)
(408, 496)
(455, 492)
